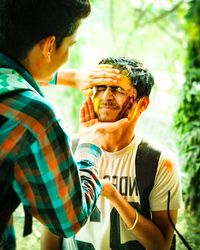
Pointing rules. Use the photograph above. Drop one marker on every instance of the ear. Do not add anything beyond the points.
(47, 47)
(143, 103)
(138, 107)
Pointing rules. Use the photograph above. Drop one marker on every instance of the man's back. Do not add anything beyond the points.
(35, 156)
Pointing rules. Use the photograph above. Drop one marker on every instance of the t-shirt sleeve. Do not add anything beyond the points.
(167, 179)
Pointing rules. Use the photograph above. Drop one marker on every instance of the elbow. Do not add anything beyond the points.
(68, 231)
(162, 245)
(158, 245)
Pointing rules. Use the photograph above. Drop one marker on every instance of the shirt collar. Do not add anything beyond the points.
(7, 62)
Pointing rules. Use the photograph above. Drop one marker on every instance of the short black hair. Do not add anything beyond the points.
(23, 23)
(140, 77)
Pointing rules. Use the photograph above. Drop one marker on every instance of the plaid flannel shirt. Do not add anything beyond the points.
(35, 157)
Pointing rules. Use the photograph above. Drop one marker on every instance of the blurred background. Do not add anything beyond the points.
(165, 36)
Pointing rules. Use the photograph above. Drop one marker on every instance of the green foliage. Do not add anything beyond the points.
(73, 98)
(76, 98)
(187, 120)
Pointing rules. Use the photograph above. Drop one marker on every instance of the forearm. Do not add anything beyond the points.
(57, 193)
(69, 77)
(87, 157)
(145, 231)
(85, 79)
(77, 79)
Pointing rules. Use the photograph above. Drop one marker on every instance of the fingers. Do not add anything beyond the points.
(110, 127)
(90, 108)
(102, 81)
(88, 92)
(82, 114)
(87, 111)
(93, 131)
(107, 188)
(104, 73)
(105, 66)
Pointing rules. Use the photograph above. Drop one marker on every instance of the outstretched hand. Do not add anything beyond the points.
(104, 73)
(91, 130)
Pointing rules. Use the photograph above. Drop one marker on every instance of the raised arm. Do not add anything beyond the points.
(84, 79)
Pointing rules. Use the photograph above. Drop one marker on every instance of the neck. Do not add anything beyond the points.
(119, 139)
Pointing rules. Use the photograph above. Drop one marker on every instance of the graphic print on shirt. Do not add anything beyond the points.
(107, 218)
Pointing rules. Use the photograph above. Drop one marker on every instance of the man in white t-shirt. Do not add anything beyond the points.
(118, 221)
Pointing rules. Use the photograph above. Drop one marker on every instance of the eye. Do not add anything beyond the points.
(101, 88)
(118, 89)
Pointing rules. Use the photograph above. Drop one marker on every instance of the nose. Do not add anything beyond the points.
(108, 94)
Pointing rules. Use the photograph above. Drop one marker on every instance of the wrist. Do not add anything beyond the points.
(114, 196)
(54, 80)
(134, 222)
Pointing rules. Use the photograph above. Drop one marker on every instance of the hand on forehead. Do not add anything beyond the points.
(105, 74)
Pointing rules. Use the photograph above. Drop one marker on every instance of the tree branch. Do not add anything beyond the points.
(166, 13)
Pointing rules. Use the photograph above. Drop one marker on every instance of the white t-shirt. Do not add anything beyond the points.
(119, 167)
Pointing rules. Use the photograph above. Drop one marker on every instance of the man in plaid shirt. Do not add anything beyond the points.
(37, 167)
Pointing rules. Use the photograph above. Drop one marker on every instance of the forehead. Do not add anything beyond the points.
(124, 82)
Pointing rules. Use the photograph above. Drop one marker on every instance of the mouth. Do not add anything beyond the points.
(109, 107)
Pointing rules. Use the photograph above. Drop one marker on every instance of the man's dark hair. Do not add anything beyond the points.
(23, 23)
(141, 79)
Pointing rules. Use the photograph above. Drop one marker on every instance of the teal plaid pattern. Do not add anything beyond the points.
(36, 159)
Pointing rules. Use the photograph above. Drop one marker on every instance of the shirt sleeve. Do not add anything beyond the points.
(54, 79)
(167, 179)
(58, 190)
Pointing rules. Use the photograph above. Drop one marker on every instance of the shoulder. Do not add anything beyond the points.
(168, 165)
(168, 160)
(37, 106)
(165, 153)
(30, 110)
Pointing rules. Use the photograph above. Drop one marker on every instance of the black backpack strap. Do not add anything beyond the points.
(146, 167)
(7, 207)
(28, 221)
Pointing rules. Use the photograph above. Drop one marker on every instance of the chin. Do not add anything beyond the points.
(44, 79)
(107, 119)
